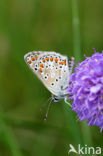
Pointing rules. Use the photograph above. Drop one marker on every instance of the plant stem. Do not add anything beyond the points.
(86, 135)
(9, 138)
(76, 30)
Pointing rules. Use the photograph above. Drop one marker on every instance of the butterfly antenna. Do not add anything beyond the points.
(65, 99)
(51, 99)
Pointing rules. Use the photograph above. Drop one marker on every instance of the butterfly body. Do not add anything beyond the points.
(53, 69)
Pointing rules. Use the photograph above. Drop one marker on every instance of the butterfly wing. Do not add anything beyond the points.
(52, 69)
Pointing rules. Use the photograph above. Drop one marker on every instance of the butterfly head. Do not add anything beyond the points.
(56, 98)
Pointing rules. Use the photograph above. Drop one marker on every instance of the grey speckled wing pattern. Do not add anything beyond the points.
(52, 68)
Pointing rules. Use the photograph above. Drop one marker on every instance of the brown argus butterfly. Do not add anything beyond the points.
(53, 69)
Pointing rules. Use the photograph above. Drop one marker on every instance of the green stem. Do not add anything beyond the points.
(86, 135)
(76, 30)
(8, 137)
(72, 125)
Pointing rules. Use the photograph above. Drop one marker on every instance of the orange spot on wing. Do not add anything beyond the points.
(43, 60)
(63, 62)
(52, 58)
(47, 58)
(33, 58)
(36, 57)
(56, 60)
(29, 62)
(42, 65)
(40, 70)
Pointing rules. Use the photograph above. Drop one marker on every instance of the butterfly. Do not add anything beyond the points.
(53, 69)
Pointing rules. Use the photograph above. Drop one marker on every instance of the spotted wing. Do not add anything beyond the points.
(51, 68)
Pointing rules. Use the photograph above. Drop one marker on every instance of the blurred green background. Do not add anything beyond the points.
(71, 27)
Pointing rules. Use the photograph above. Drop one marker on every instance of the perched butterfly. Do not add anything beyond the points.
(53, 69)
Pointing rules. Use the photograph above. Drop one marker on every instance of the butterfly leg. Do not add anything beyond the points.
(65, 99)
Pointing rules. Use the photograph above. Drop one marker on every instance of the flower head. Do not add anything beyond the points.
(86, 90)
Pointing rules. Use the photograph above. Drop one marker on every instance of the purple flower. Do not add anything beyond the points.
(86, 90)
